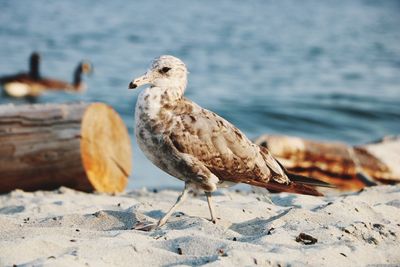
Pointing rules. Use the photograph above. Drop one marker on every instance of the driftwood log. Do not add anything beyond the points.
(347, 167)
(82, 146)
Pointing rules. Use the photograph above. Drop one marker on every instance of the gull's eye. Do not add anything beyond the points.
(164, 70)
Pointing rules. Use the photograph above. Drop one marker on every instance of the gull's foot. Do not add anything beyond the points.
(214, 220)
(145, 226)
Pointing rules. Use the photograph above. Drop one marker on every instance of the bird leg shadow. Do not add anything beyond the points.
(151, 226)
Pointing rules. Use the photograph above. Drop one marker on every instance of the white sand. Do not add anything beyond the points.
(69, 228)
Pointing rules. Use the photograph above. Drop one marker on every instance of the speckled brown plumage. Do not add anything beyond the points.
(193, 143)
(196, 145)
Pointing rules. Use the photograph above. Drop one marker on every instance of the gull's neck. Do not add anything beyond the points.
(170, 91)
(173, 87)
(156, 99)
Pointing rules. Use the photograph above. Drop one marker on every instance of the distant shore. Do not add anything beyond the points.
(70, 228)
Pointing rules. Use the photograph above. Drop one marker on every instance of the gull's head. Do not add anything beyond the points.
(165, 71)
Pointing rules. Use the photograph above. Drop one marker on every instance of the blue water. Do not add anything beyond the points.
(327, 70)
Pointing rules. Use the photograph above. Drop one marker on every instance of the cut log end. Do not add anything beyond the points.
(81, 146)
(105, 149)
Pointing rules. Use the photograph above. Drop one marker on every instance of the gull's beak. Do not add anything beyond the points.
(142, 80)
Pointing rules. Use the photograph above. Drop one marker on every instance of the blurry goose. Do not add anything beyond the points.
(16, 84)
(34, 85)
(77, 84)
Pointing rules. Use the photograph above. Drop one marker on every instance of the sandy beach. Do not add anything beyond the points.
(71, 228)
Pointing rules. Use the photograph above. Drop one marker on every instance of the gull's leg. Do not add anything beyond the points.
(211, 207)
(179, 201)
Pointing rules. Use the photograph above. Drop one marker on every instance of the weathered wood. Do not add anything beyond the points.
(82, 146)
(347, 167)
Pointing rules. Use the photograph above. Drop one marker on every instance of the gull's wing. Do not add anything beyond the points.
(221, 147)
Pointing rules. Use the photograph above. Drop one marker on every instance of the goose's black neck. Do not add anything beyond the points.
(34, 70)
(78, 76)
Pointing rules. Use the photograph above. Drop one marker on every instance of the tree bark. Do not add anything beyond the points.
(81, 146)
(347, 167)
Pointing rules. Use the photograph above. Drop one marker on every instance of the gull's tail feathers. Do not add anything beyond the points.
(301, 179)
(304, 181)
(292, 187)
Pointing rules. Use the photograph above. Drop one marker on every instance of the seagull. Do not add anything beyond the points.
(199, 147)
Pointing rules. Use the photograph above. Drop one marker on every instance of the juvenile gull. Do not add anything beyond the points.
(196, 145)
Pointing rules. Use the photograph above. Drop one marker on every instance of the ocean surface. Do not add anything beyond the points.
(326, 70)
